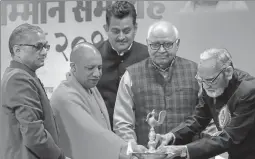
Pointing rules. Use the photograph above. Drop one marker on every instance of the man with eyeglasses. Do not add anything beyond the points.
(119, 51)
(163, 81)
(228, 97)
(28, 128)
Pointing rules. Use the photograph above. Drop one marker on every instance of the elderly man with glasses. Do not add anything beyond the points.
(163, 81)
(28, 127)
(227, 97)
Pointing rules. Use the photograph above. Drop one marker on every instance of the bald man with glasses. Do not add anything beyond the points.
(163, 81)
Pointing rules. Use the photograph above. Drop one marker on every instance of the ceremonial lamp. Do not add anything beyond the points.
(153, 122)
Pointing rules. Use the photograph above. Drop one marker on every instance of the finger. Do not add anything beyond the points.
(170, 155)
(163, 143)
(162, 148)
(142, 148)
(134, 157)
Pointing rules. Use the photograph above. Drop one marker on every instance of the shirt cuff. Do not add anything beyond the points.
(187, 152)
(173, 141)
(129, 148)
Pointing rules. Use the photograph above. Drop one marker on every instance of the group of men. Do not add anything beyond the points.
(99, 111)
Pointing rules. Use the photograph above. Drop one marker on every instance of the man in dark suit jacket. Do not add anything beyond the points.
(228, 98)
(119, 51)
(28, 127)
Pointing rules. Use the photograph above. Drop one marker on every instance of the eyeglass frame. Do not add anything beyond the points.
(171, 46)
(45, 45)
(213, 81)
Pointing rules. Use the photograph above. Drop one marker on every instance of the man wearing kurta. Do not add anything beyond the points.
(85, 130)
(28, 129)
(163, 81)
(226, 98)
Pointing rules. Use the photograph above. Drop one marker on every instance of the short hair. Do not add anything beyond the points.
(120, 10)
(20, 33)
(221, 55)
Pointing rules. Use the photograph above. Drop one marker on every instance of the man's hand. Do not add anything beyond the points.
(180, 150)
(67, 158)
(133, 147)
(165, 139)
(138, 148)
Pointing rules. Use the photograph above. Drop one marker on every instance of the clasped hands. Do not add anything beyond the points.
(164, 141)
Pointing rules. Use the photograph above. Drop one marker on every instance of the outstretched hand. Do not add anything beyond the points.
(179, 150)
(164, 139)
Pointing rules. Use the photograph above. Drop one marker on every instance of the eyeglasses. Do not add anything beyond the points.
(212, 81)
(166, 45)
(38, 46)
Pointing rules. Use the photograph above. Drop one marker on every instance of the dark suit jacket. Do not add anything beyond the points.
(28, 129)
(236, 124)
(114, 67)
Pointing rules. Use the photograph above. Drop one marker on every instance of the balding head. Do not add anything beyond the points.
(83, 51)
(163, 29)
(86, 64)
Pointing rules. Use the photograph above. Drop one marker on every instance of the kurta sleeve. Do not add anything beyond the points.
(88, 139)
(23, 100)
(234, 133)
(193, 125)
(124, 117)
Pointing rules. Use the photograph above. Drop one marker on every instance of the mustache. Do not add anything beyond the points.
(121, 41)
(43, 57)
(96, 77)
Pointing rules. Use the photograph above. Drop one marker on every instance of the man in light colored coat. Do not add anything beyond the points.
(82, 116)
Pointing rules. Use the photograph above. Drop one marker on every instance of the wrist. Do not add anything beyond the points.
(184, 152)
(124, 152)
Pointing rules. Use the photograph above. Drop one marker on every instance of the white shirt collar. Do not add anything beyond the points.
(122, 53)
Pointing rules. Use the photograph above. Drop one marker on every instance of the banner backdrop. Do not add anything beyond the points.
(223, 24)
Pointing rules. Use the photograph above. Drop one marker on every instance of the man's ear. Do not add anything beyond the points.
(229, 72)
(16, 50)
(178, 42)
(135, 27)
(73, 67)
(106, 28)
